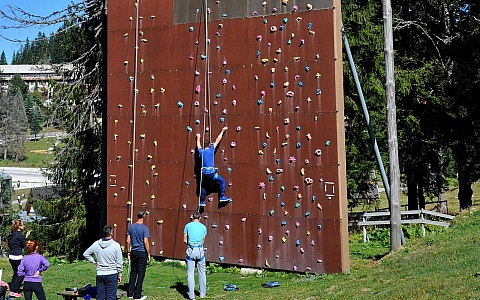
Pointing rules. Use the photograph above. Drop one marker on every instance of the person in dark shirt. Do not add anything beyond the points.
(16, 243)
(138, 252)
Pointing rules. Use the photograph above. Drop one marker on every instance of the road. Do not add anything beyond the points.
(29, 177)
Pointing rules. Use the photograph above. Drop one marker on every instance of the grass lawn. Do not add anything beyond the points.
(36, 154)
(443, 265)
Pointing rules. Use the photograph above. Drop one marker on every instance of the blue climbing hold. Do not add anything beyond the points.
(222, 120)
(285, 20)
(218, 96)
(314, 197)
(297, 128)
(319, 91)
(289, 42)
(272, 212)
(319, 226)
(264, 145)
(309, 26)
(187, 183)
(297, 205)
(307, 214)
(298, 145)
(227, 71)
(265, 21)
(272, 84)
(180, 104)
(307, 68)
(189, 129)
(277, 161)
(297, 242)
(259, 102)
(218, 47)
(282, 204)
(327, 143)
(203, 56)
(197, 121)
(221, 258)
(282, 188)
(224, 15)
(191, 28)
(300, 84)
(271, 178)
(229, 169)
(281, 27)
(283, 223)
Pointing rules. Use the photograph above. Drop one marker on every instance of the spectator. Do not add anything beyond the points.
(16, 243)
(31, 268)
(3, 289)
(138, 251)
(109, 264)
(194, 236)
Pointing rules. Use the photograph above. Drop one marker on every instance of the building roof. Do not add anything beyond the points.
(32, 69)
(27, 69)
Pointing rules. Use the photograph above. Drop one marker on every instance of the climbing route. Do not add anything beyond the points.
(270, 71)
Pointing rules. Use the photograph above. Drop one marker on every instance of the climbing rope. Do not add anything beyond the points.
(206, 99)
(134, 130)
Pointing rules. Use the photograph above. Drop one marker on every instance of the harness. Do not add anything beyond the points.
(195, 246)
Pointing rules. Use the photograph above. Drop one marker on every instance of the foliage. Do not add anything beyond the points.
(13, 124)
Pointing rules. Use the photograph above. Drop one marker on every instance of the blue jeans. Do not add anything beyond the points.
(213, 178)
(196, 255)
(138, 267)
(107, 287)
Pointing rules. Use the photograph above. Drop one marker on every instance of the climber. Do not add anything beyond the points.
(209, 172)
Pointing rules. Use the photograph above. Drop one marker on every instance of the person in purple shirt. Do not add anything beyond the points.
(31, 267)
(209, 172)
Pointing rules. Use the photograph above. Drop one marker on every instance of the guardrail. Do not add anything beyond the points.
(362, 219)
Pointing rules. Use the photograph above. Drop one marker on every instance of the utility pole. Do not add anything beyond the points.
(395, 218)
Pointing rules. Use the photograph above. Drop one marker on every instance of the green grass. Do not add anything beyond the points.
(442, 265)
(35, 155)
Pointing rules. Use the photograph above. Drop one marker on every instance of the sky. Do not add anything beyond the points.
(36, 7)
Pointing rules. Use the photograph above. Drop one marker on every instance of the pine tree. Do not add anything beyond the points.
(3, 59)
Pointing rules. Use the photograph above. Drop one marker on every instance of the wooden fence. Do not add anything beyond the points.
(421, 216)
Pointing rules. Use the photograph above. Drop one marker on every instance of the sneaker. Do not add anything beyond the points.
(15, 295)
(202, 203)
(141, 298)
(225, 199)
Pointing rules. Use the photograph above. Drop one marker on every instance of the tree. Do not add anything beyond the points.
(3, 59)
(13, 124)
(77, 164)
(18, 84)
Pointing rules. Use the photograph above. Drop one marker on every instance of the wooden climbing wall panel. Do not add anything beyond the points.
(272, 73)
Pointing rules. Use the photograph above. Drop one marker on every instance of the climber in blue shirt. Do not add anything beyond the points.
(209, 173)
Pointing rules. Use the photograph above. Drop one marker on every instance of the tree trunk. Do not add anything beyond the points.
(412, 188)
(465, 191)
(421, 192)
(395, 219)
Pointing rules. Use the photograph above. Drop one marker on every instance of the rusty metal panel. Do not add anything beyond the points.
(275, 90)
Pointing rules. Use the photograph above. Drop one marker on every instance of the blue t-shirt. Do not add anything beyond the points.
(137, 233)
(208, 160)
(195, 231)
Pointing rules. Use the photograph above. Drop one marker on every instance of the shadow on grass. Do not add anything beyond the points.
(181, 288)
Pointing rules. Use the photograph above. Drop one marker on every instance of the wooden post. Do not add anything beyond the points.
(395, 218)
(364, 229)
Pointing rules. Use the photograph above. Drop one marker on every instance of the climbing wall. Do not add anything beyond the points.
(272, 72)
